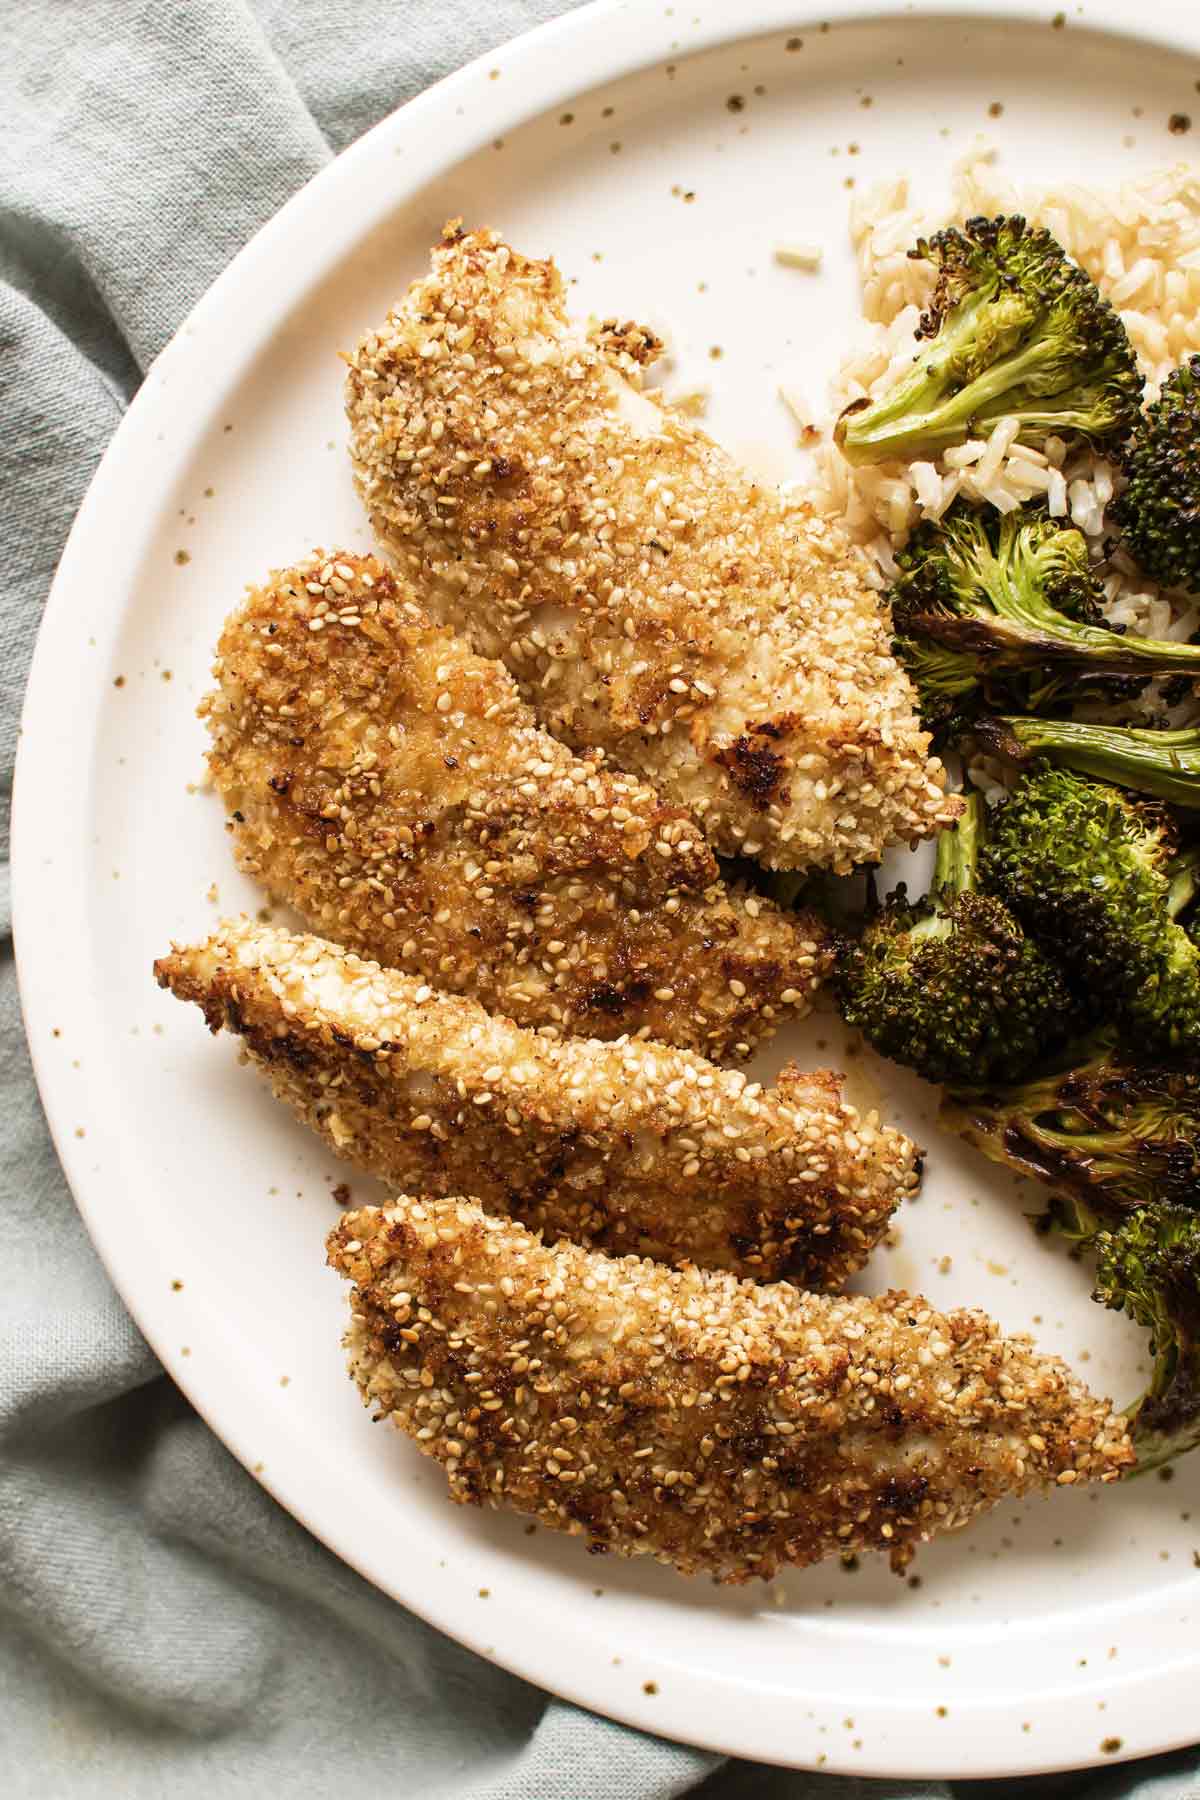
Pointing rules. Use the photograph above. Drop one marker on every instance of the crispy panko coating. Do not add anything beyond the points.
(629, 1145)
(393, 787)
(649, 597)
(725, 1428)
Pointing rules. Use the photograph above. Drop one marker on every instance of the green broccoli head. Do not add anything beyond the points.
(1164, 764)
(976, 570)
(1105, 1133)
(1087, 870)
(1014, 330)
(949, 984)
(1158, 514)
(1149, 1267)
(1003, 611)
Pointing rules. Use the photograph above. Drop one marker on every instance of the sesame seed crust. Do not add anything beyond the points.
(709, 633)
(393, 788)
(631, 1146)
(725, 1428)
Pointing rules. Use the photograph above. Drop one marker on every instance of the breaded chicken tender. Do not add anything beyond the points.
(628, 1145)
(725, 1428)
(393, 787)
(650, 598)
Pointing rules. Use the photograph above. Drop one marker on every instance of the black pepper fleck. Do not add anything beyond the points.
(1179, 124)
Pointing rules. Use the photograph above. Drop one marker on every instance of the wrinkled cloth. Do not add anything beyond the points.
(165, 1629)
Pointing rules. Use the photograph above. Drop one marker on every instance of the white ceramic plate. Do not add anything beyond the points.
(1055, 1634)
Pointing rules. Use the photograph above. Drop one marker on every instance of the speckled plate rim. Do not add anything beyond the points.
(602, 43)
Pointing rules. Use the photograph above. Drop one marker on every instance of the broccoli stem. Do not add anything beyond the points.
(1167, 1418)
(888, 430)
(955, 866)
(1163, 763)
(956, 863)
(1184, 874)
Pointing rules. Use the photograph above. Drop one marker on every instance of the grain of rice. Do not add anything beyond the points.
(800, 256)
(961, 456)
(1056, 495)
(999, 444)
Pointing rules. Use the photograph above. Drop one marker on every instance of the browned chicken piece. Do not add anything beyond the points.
(628, 1145)
(711, 634)
(393, 787)
(725, 1428)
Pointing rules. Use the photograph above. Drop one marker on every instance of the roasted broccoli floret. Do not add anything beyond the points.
(1002, 607)
(1149, 1267)
(1088, 871)
(1158, 514)
(949, 984)
(1105, 1133)
(949, 692)
(989, 582)
(1165, 764)
(1118, 1144)
(1014, 330)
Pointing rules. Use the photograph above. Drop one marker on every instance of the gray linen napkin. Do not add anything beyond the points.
(164, 1628)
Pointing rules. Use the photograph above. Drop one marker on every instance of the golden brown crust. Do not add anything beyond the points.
(393, 787)
(721, 1427)
(629, 1145)
(647, 595)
